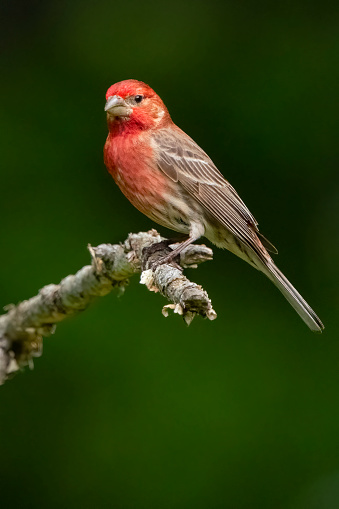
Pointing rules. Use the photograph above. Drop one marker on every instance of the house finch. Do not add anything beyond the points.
(169, 178)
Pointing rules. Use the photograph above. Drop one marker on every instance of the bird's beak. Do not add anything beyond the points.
(117, 107)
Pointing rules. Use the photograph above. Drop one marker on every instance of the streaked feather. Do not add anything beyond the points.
(181, 159)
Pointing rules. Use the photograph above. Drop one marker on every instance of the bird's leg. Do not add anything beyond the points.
(173, 254)
(179, 248)
(197, 229)
(154, 254)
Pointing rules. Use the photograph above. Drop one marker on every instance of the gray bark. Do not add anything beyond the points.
(24, 325)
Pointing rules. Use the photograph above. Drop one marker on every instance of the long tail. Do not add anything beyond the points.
(293, 297)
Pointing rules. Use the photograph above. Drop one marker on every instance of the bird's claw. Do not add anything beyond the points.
(153, 256)
(167, 259)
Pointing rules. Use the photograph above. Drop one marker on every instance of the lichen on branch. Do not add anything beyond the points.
(23, 327)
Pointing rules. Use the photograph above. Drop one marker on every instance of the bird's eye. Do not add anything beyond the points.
(138, 98)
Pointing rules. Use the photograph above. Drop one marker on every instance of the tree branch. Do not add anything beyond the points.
(24, 325)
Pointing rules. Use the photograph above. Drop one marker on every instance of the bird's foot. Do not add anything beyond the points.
(159, 254)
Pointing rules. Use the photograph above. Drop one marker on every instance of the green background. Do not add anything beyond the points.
(127, 409)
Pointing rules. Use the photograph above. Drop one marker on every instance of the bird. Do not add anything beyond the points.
(167, 176)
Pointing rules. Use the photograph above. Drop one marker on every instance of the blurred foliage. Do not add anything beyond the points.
(127, 409)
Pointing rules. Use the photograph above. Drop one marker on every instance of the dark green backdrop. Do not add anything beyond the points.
(127, 409)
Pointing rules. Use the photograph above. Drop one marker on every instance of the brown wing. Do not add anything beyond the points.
(184, 161)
